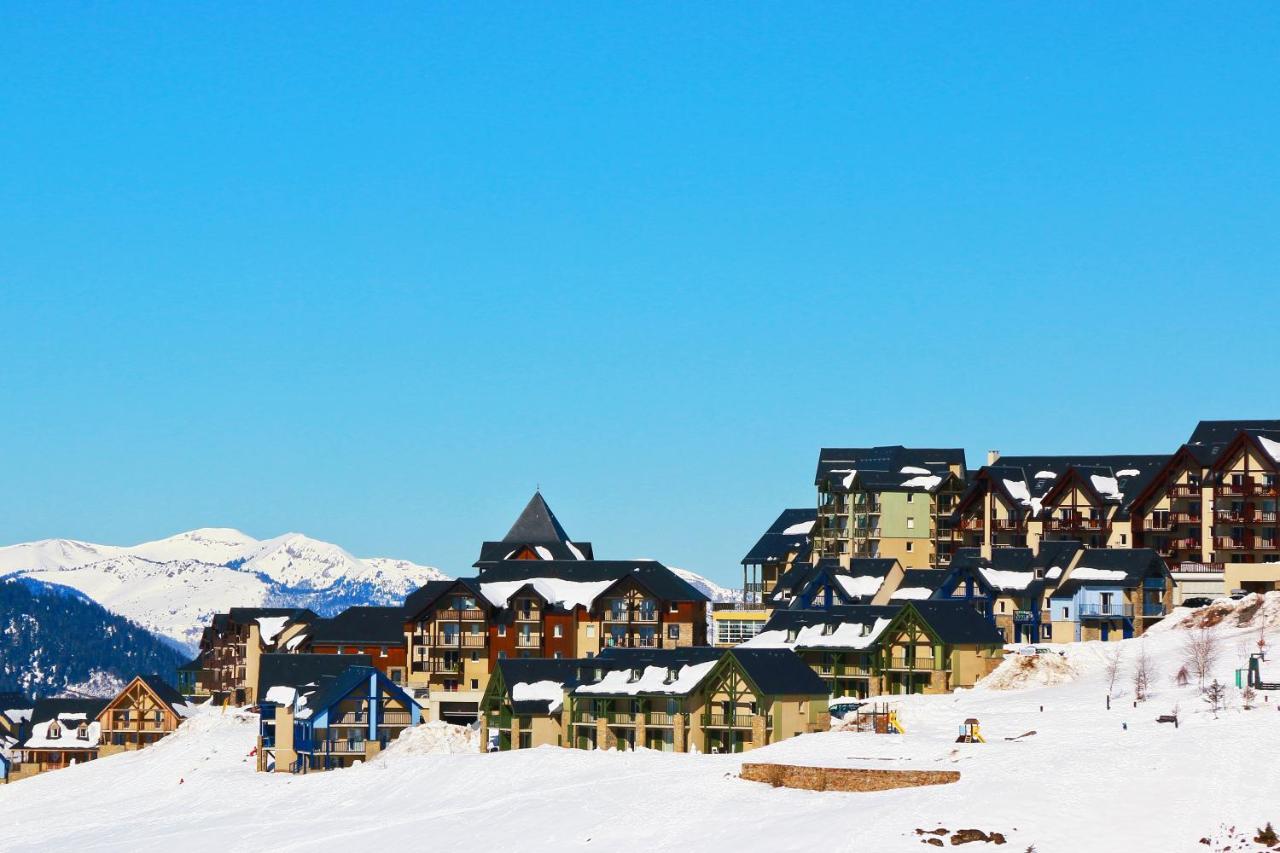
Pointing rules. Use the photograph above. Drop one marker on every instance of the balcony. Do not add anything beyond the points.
(1263, 517)
(585, 718)
(1007, 524)
(659, 719)
(1106, 610)
(1076, 522)
(529, 616)
(916, 664)
(1185, 490)
(1022, 617)
(971, 524)
(528, 641)
(1228, 516)
(720, 721)
(1184, 518)
(395, 718)
(1200, 568)
(352, 718)
(1228, 543)
(622, 718)
(343, 747)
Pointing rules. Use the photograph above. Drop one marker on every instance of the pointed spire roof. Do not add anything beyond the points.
(536, 525)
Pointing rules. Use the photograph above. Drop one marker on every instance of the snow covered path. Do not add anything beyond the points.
(1083, 781)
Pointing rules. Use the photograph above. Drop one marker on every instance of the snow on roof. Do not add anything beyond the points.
(1054, 573)
(1084, 573)
(270, 627)
(654, 679)
(1107, 486)
(849, 473)
(544, 552)
(18, 715)
(573, 549)
(912, 469)
(911, 593)
(858, 587)
(1001, 579)
(539, 691)
(799, 529)
(928, 483)
(567, 594)
(295, 641)
(836, 635)
(1044, 475)
(1271, 446)
(1128, 472)
(68, 735)
(281, 695)
(1018, 490)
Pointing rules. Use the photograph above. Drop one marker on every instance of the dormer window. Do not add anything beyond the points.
(55, 730)
(864, 630)
(791, 635)
(635, 675)
(1039, 573)
(671, 675)
(828, 629)
(82, 731)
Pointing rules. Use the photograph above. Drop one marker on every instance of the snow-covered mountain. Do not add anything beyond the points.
(171, 586)
(709, 588)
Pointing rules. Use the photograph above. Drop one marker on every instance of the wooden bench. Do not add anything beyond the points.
(1168, 718)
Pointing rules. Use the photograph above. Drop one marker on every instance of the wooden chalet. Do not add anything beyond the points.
(146, 710)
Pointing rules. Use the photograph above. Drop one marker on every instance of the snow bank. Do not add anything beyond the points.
(434, 738)
(1018, 672)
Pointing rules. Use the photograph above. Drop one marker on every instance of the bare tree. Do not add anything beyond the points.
(1248, 694)
(1201, 649)
(1113, 669)
(1215, 694)
(1141, 673)
(1183, 676)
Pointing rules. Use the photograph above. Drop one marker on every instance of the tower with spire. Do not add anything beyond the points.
(536, 535)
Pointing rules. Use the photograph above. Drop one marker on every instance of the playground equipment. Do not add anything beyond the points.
(1255, 674)
(878, 718)
(970, 733)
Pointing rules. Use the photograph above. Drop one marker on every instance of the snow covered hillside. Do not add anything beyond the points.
(171, 586)
(709, 588)
(1058, 772)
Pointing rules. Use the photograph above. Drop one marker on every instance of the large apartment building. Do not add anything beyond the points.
(232, 644)
(1211, 510)
(786, 543)
(889, 501)
(1017, 501)
(528, 601)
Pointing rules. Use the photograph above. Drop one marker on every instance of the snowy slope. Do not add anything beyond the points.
(1086, 778)
(171, 586)
(709, 588)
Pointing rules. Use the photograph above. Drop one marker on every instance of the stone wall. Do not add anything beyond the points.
(844, 778)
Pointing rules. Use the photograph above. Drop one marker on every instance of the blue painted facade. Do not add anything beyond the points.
(320, 745)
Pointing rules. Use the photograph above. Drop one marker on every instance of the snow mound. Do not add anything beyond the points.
(1020, 672)
(1253, 611)
(434, 738)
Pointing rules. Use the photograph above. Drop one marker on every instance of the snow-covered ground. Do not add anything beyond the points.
(1088, 778)
(172, 586)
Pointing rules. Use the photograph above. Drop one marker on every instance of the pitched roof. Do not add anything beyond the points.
(956, 622)
(897, 465)
(49, 709)
(164, 691)
(650, 574)
(789, 533)
(10, 700)
(360, 625)
(562, 671)
(779, 672)
(333, 689)
(431, 592)
(1114, 567)
(1213, 436)
(538, 529)
(1027, 480)
(284, 670)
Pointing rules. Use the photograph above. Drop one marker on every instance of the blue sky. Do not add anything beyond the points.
(374, 274)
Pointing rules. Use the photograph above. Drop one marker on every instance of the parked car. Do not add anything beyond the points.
(1197, 601)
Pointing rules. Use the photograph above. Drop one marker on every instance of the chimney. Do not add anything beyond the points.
(992, 456)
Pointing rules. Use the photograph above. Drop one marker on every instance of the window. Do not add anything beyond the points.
(591, 631)
(557, 631)
(911, 524)
(1044, 632)
(397, 676)
(673, 632)
(475, 684)
(475, 657)
(82, 731)
(159, 716)
(382, 652)
(502, 630)
(1124, 538)
(674, 608)
(1066, 613)
(1001, 606)
(909, 544)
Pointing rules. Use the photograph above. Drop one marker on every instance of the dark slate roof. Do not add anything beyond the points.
(1136, 563)
(495, 552)
(47, 709)
(383, 625)
(1210, 437)
(859, 614)
(563, 671)
(652, 575)
(776, 545)
(537, 523)
(281, 670)
(929, 579)
(245, 615)
(631, 658)
(956, 622)
(1023, 469)
(165, 691)
(430, 592)
(1052, 553)
(193, 665)
(334, 688)
(779, 672)
(889, 459)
